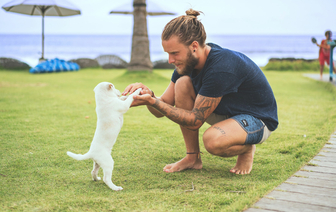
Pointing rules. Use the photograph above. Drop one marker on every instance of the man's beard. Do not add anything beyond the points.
(190, 64)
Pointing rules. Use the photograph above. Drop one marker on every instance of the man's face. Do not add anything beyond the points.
(180, 55)
(328, 35)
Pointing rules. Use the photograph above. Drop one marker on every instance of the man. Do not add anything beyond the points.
(214, 85)
(324, 52)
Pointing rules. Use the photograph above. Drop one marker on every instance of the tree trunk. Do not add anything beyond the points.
(140, 57)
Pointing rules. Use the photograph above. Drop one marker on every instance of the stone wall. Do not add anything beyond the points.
(86, 62)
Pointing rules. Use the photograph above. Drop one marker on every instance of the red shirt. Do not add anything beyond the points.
(324, 51)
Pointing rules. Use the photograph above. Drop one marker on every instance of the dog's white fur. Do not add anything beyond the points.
(110, 108)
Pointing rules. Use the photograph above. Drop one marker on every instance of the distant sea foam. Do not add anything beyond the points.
(260, 48)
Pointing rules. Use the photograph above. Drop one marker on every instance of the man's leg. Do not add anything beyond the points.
(321, 61)
(321, 71)
(185, 99)
(227, 139)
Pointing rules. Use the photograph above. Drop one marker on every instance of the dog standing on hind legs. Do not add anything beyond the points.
(110, 108)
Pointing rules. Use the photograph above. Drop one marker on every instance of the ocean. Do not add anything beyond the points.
(260, 48)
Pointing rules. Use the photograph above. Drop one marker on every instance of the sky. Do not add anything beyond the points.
(230, 17)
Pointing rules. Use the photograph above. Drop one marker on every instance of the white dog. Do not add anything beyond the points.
(110, 108)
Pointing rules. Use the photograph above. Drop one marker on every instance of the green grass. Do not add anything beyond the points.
(44, 115)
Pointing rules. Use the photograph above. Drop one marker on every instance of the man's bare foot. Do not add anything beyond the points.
(244, 162)
(188, 162)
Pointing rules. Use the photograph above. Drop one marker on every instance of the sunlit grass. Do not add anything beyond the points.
(45, 115)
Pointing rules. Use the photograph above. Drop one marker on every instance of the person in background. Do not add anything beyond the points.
(324, 52)
(215, 85)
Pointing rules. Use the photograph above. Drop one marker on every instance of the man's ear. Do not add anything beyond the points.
(194, 46)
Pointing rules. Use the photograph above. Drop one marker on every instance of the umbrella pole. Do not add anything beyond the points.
(42, 35)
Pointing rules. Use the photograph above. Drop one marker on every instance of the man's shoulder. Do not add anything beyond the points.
(224, 53)
(222, 57)
(217, 48)
(226, 61)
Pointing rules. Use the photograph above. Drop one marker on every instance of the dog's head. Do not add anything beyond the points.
(106, 89)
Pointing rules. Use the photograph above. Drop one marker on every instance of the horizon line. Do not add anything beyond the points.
(208, 34)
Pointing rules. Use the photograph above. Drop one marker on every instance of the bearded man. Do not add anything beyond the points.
(215, 85)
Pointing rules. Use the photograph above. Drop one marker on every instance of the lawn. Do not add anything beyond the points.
(45, 115)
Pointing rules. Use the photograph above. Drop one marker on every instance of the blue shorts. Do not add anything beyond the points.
(257, 131)
(254, 128)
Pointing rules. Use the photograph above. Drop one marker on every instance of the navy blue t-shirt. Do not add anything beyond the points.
(242, 85)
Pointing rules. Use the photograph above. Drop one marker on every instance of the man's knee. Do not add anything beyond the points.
(213, 142)
(184, 93)
(220, 137)
(183, 84)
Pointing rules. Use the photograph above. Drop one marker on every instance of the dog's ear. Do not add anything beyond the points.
(110, 86)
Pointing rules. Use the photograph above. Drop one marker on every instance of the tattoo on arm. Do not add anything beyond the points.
(203, 107)
(220, 130)
(175, 114)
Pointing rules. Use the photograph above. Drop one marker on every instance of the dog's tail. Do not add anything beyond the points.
(79, 156)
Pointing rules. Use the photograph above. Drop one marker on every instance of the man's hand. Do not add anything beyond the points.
(145, 96)
(145, 99)
(133, 87)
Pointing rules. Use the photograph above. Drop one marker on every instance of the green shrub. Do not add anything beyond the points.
(293, 65)
(13, 64)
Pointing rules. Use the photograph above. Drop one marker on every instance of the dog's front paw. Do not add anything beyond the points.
(137, 92)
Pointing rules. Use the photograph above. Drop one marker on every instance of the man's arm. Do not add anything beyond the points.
(192, 120)
(164, 105)
(167, 97)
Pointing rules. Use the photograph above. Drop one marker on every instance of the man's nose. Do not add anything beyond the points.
(171, 59)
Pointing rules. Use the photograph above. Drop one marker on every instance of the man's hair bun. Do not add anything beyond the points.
(192, 12)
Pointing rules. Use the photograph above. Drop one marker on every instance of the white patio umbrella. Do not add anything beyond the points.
(42, 8)
(140, 56)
